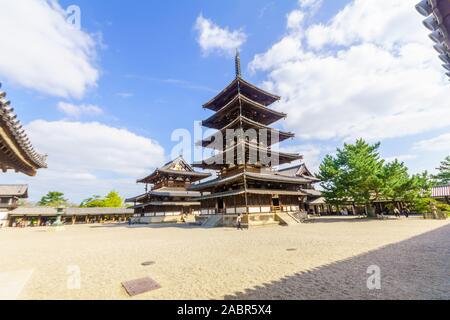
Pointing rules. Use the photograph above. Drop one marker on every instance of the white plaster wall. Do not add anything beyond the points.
(254, 210)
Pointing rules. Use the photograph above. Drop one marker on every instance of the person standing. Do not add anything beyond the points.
(239, 222)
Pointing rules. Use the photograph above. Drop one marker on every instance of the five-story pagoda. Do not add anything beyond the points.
(244, 158)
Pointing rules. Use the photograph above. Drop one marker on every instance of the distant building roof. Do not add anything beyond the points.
(177, 167)
(14, 190)
(48, 211)
(97, 211)
(440, 192)
(167, 192)
(34, 211)
(300, 171)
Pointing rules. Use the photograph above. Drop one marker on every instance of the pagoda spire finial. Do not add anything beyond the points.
(238, 64)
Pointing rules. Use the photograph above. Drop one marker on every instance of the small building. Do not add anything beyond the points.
(10, 195)
(45, 216)
(441, 193)
(169, 197)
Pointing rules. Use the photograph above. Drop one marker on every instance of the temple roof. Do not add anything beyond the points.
(250, 109)
(167, 203)
(440, 192)
(14, 190)
(166, 192)
(233, 193)
(299, 171)
(16, 151)
(177, 167)
(237, 86)
(266, 177)
(219, 160)
(246, 125)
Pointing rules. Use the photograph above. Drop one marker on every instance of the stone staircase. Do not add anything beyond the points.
(286, 219)
(213, 222)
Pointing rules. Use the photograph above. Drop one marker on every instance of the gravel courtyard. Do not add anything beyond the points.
(328, 259)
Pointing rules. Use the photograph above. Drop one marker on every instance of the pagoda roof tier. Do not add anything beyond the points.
(237, 192)
(246, 125)
(178, 167)
(219, 161)
(165, 193)
(250, 109)
(167, 203)
(247, 89)
(252, 176)
(16, 151)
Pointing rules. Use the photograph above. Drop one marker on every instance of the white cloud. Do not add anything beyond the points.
(401, 158)
(76, 111)
(384, 79)
(214, 39)
(440, 143)
(311, 155)
(42, 52)
(89, 158)
(311, 5)
(295, 20)
(125, 95)
(383, 22)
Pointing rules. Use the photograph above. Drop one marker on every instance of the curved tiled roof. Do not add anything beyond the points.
(438, 21)
(14, 143)
(440, 192)
(14, 190)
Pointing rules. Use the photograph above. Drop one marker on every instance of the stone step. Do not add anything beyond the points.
(286, 219)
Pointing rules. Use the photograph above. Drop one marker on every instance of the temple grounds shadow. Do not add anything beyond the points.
(417, 268)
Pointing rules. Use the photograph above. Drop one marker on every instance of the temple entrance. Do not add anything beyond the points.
(220, 206)
(276, 205)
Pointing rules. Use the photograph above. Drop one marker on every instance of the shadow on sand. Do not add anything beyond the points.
(147, 226)
(417, 268)
(360, 219)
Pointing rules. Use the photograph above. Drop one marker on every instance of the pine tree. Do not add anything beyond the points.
(443, 176)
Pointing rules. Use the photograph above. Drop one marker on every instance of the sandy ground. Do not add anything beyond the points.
(323, 260)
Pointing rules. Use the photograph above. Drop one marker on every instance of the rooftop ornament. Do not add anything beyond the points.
(438, 21)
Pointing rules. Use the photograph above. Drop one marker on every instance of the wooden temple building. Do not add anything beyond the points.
(247, 182)
(168, 198)
(16, 151)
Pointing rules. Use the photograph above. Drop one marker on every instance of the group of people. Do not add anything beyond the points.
(404, 212)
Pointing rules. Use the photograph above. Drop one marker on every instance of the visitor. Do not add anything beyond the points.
(239, 222)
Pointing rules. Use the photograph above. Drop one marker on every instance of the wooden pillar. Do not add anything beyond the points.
(39, 221)
(74, 219)
(86, 219)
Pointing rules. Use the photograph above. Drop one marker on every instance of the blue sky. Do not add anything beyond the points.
(138, 71)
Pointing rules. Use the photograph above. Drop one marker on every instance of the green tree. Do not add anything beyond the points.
(357, 175)
(443, 176)
(93, 202)
(112, 200)
(354, 174)
(53, 199)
